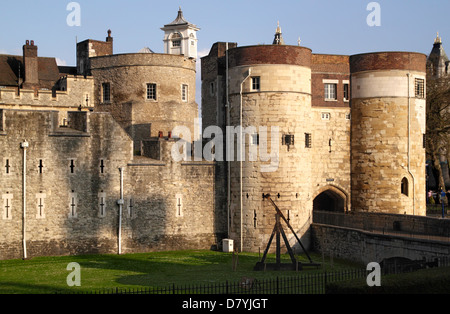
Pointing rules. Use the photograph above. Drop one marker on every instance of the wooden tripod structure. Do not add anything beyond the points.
(278, 232)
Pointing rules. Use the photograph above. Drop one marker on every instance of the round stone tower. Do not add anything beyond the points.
(388, 127)
(270, 97)
(146, 93)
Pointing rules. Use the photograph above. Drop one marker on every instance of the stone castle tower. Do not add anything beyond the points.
(348, 133)
(388, 129)
(315, 131)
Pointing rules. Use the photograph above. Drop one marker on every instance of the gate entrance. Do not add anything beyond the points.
(329, 200)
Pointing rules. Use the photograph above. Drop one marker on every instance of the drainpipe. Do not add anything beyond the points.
(227, 105)
(409, 146)
(120, 202)
(24, 145)
(241, 155)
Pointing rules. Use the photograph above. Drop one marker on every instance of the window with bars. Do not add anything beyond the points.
(151, 91)
(184, 92)
(308, 140)
(330, 91)
(420, 88)
(255, 139)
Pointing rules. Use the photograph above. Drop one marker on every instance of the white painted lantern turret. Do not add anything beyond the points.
(180, 37)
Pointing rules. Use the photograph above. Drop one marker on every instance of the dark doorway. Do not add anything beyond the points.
(329, 201)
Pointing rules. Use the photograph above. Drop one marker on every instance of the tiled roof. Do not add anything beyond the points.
(10, 65)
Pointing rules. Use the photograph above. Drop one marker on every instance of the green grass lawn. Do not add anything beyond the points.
(159, 269)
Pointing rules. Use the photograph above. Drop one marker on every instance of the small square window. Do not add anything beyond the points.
(151, 91)
(288, 139)
(326, 116)
(256, 83)
(255, 139)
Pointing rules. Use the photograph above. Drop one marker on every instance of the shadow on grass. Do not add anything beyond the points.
(162, 269)
(140, 270)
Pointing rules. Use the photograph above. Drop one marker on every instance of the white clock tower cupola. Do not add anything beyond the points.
(180, 37)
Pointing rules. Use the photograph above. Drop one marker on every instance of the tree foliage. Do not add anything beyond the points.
(438, 124)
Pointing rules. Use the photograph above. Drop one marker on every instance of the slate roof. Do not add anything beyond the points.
(180, 20)
(48, 71)
(9, 70)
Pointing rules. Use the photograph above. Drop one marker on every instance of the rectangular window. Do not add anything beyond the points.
(212, 89)
(151, 91)
(420, 88)
(256, 83)
(308, 140)
(330, 91)
(288, 139)
(255, 139)
(184, 92)
(346, 92)
(176, 43)
(106, 89)
(326, 116)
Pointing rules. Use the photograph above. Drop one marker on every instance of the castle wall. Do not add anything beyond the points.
(330, 165)
(74, 91)
(73, 183)
(388, 125)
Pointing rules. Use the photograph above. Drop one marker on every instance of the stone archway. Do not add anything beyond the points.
(332, 199)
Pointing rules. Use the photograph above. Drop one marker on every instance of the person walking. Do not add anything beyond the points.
(443, 201)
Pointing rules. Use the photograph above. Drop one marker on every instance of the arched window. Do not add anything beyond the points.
(404, 186)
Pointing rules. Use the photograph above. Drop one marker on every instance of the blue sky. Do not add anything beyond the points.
(325, 26)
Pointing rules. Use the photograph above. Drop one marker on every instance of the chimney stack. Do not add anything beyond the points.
(30, 62)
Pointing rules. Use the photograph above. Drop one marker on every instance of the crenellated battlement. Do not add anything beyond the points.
(71, 91)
